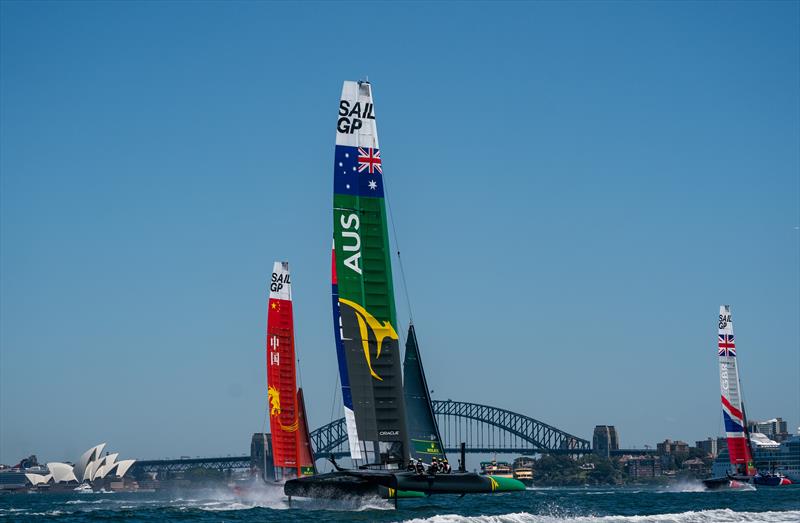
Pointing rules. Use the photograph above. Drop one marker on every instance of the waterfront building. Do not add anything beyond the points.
(642, 467)
(669, 447)
(696, 467)
(709, 446)
(604, 440)
(671, 452)
(775, 429)
(712, 446)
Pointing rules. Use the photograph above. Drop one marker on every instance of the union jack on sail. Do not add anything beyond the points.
(726, 345)
(369, 159)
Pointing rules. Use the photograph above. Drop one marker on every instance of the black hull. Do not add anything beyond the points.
(728, 482)
(347, 483)
(333, 485)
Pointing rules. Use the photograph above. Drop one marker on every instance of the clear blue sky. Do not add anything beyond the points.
(577, 188)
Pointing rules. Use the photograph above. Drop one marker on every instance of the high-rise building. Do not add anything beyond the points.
(604, 440)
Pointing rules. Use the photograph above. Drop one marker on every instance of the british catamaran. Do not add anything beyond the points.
(291, 447)
(388, 421)
(738, 436)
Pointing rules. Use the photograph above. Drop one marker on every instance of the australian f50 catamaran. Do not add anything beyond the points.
(388, 422)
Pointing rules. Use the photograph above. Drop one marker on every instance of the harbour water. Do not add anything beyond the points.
(685, 503)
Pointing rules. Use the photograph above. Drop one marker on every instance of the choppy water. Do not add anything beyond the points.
(687, 503)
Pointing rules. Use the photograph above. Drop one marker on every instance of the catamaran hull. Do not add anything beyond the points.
(466, 483)
(729, 482)
(334, 485)
(362, 483)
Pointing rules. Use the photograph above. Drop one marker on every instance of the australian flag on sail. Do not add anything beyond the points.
(358, 171)
(726, 345)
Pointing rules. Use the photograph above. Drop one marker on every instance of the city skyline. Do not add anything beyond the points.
(575, 191)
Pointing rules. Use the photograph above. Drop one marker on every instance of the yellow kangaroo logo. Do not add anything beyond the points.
(275, 408)
(381, 330)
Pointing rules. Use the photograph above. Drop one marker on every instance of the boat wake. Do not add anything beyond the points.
(702, 516)
(684, 486)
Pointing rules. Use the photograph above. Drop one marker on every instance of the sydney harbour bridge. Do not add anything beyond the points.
(483, 430)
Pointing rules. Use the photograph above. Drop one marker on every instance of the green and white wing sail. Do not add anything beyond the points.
(365, 315)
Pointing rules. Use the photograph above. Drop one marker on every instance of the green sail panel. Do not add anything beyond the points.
(367, 319)
(425, 442)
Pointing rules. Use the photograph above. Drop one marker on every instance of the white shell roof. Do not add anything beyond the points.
(123, 466)
(38, 479)
(107, 464)
(87, 457)
(61, 472)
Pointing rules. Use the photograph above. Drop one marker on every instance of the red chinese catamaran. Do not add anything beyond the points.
(291, 447)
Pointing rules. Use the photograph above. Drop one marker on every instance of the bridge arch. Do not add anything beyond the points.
(484, 429)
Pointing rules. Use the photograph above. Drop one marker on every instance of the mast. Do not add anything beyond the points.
(730, 388)
(281, 374)
(364, 313)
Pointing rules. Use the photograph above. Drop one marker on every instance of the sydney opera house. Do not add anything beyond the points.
(93, 471)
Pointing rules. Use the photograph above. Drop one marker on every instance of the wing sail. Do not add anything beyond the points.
(730, 390)
(425, 440)
(366, 323)
(281, 372)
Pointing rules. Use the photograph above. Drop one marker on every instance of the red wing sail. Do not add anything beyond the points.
(305, 454)
(281, 380)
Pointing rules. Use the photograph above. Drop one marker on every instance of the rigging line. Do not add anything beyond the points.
(297, 356)
(296, 347)
(333, 396)
(397, 243)
(299, 372)
(264, 424)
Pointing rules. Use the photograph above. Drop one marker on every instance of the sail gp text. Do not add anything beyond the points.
(351, 119)
(278, 280)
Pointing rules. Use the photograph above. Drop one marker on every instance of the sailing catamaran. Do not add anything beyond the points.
(388, 422)
(291, 447)
(737, 433)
